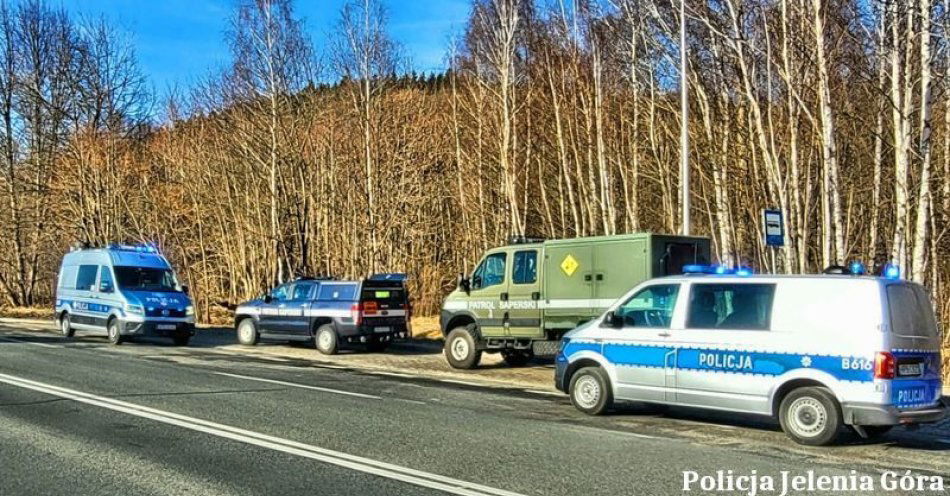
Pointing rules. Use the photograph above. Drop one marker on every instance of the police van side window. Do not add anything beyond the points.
(86, 277)
(651, 307)
(490, 272)
(731, 306)
(526, 267)
(105, 280)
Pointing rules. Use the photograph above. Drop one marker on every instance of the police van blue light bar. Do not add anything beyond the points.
(892, 271)
(857, 268)
(744, 271)
(718, 270)
(144, 248)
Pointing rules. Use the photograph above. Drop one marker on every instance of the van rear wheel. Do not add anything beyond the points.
(811, 416)
(460, 349)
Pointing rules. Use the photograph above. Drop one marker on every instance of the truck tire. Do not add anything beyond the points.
(247, 332)
(115, 337)
(517, 358)
(66, 327)
(325, 340)
(590, 391)
(811, 416)
(460, 350)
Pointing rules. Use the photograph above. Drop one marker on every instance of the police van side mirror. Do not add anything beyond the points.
(465, 284)
(612, 320)
(184, 288)
(105, 288)
(268, 298)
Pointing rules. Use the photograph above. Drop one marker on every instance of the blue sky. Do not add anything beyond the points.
(179, 41)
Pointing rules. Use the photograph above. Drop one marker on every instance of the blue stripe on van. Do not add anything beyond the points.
(845, 368)
(83, 306)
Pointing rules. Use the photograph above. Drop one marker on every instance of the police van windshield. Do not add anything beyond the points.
(145, 279)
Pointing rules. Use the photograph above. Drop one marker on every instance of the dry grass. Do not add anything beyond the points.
(426, 328)
(26, 312)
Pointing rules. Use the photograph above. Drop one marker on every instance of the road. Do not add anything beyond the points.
(82, 417)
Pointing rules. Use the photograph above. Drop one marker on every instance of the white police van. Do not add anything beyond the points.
(816, 352)
(123, 291)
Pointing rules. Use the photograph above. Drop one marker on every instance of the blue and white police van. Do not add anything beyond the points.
(123, 291)
(816, 352)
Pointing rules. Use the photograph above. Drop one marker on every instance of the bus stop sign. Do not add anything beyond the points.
(774, 227)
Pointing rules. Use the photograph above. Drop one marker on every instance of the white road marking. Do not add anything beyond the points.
(15, 340)
(302, 386)
(352, 462)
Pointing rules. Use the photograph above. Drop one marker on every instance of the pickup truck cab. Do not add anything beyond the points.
(816, 352)
(329, 313)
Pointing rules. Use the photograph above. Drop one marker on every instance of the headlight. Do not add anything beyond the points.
(563, 344)
(190, 310)
(135, 309)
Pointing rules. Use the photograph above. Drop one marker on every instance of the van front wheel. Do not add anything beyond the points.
(590, 391)
(460, 349)
(811, 416)
(115, 337)
(66, 327)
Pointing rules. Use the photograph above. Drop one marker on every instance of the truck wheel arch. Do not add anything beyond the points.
(459, 320)
(319, 321)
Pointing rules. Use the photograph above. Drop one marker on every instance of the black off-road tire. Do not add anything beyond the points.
(811, 416)
(517, 358)
(325, 340)
(247, 333)
(65, 326)
(590, 391)
(460, 349)
(115, 337)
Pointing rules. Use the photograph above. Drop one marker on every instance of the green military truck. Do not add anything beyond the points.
(523, 297)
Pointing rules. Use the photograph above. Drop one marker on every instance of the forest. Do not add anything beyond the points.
(554, 118)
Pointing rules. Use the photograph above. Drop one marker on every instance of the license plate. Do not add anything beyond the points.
(381, 330)
(910, 369)
(166, 327)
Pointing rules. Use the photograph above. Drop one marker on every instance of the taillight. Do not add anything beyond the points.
(370, 308)
(885, 365)
(356, 313)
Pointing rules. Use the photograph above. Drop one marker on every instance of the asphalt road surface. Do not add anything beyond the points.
(82, 417)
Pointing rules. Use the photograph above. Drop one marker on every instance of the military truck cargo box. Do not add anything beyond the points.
(530, 292)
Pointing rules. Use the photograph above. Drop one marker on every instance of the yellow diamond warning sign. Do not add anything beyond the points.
(569, 265)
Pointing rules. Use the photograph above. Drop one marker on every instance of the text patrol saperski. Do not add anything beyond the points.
(786, 483)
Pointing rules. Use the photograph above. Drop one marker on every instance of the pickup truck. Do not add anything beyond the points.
(329, 313)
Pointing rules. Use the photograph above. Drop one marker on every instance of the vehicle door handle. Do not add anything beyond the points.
(587, 277)
(503, 296)
(664, 334)
(536, 295)
(600, 277)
